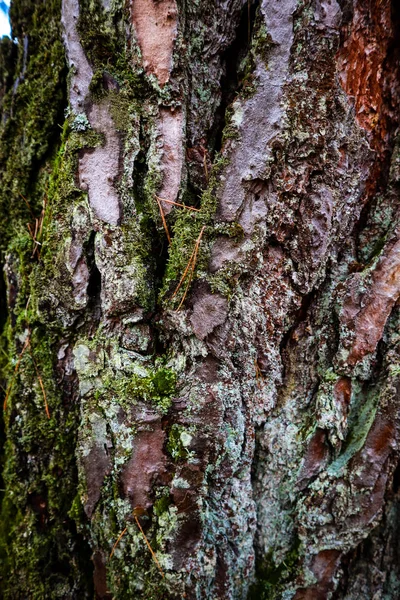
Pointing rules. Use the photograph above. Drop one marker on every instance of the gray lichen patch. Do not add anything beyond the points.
(126, 278)
(76, 260)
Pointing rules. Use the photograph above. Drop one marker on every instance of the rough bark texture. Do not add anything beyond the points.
(249, 422)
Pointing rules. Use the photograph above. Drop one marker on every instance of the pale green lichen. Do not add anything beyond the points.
(80, 123)
(179, 440)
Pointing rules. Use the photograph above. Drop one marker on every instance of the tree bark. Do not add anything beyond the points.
(200, 322)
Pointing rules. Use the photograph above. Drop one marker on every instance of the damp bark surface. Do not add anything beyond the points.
(200, 352)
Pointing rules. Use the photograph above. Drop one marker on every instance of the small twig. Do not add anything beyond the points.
(163, 220)
(178, 204)
(193, 266)
(41, 385)
(121, 535)
(26, 344)
(148, 545)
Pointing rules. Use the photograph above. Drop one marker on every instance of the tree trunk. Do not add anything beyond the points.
(200, 351)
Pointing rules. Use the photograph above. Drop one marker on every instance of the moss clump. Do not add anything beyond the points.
(179, 440)
(162, 504)
(186, 229)
(271, 579)
(98, 39)
(31, 110)
(36, 535)
(156, 386)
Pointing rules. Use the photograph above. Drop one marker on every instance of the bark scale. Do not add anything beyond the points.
(248, 422)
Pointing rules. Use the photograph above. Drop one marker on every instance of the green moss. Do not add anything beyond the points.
(98, 37)
(123, 109)
(230, 131)
(30, 112)
(76, 512)
(262, 41)
(162, 504)
(96, 86)
(158, 387)
(39, 550)
(164, 381)
(330, 376)
(271, 579)
(149, 384)
(35, 529)
(186, 230)
(101, 33)
(146, 388)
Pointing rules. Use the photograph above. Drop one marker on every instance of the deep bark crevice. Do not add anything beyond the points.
(94, 283)
(301, 315)
(151, 228)
(3, 381)
(231, 80)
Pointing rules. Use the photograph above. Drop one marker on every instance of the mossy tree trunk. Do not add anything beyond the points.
(217, 378)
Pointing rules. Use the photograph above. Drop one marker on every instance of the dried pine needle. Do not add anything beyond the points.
(148, 545)
(121, 535)
(163, 220)
(123, 532)
(189, 267)
(178, 204)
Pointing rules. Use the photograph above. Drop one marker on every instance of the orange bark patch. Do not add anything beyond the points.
(361, 64)
(155, 24)
(342, 391)
(369, 321)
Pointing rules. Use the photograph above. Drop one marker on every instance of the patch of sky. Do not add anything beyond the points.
(4, 18)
